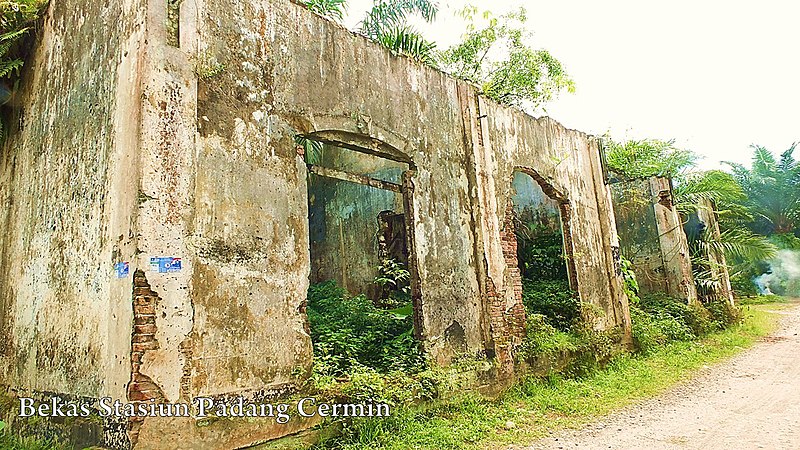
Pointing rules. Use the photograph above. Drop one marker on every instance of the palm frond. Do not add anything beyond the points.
(311, 149)
(741, 244)
(406, 41)
(333, 9)
(386, 14)
(763, 161)
(715, 186)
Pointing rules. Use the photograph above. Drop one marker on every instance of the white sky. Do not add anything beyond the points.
(716, 76)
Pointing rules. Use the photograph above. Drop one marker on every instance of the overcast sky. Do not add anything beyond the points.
(716, 76)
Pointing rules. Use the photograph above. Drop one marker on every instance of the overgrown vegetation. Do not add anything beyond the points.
(350, 333)
(758, 210)
(537, 406)
(644, 158)
(553, 299)
(658, 319)
(545, 283)
(395, 280)
(540, 253)
(13, 439)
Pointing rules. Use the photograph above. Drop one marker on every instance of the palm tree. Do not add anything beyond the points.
(387, 24)
(773, 190)
(743, 250)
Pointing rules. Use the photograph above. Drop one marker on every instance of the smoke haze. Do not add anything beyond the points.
(783, 277)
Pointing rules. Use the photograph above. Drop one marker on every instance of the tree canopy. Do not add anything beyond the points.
(647, 158)
(500, 59)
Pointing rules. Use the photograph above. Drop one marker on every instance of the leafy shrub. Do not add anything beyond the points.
(695, 316)
(631, 286)
(395, 282)
(350, 332)
(541, 254)
(542, 339)
(723, 314)
(553, 299)
(651, 331)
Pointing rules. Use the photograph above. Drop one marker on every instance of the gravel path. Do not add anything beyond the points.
(749, 402)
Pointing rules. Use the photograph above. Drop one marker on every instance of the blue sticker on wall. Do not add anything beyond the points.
(122, 269)
(165, 264)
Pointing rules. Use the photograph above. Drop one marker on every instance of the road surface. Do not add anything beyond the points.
(749, 402)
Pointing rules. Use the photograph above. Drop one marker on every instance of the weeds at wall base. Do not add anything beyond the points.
(537, 405)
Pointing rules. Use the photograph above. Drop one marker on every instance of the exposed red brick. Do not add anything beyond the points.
(142, 388)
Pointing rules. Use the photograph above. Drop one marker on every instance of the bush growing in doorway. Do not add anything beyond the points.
(350, 332)
(554, 300)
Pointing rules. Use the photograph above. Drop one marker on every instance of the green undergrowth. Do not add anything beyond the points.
(553, 299)
(762, 299)
(11, 441)
(12, 438)
(535, 406)
(352, 335)
(578, 351)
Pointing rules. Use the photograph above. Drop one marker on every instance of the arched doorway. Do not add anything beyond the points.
(538, 249)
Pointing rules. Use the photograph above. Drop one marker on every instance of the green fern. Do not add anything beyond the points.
(9, 66)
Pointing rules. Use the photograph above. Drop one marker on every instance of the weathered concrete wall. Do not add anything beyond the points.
(718, 267)
(532, 205)
(652, 237)
(301, 74)
(67, 198)
(182, 161)
(569, 162)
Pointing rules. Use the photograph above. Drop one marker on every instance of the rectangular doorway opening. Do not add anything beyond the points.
(360, 304)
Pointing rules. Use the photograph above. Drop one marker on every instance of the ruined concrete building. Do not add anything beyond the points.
(653, 236)
(157, 227)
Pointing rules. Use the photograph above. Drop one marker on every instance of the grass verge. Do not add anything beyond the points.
(536, 406)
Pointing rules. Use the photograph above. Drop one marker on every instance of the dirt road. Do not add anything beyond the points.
(749, 402)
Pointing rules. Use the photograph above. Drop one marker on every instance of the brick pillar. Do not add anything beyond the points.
(515, 316)
(508, 324)
(142, 388)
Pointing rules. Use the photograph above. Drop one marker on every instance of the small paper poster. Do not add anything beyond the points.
(165, 264)
(122, 269)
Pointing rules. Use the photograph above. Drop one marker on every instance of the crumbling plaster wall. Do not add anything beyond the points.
(532, 205)
(569, 161)
(288, 72)
(178, 161)
(67, 200)
(653, 238)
